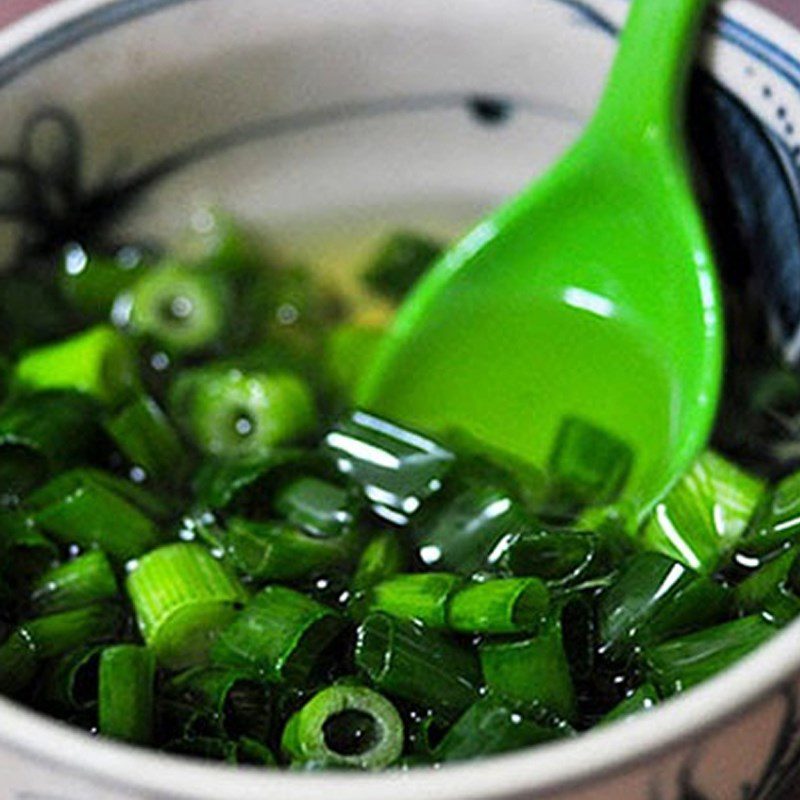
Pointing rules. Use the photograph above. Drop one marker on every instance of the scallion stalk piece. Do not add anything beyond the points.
(506, 605)
(532, 671)
(570, 559)
(656, 598)
(588, 466)
(705, 513)
(98, 362)
(277, 551)
(69, 684)
(244, 485)
(41, 434)
(775, 527)
(182, 309)
(767, 587)
(232, 702)
(242, 415)
(382, 558)
(643, 698)
(51, 636)
(319, 507)
(472, 531)
(423, 596)
(126, 693)
(85, 580)
(496, 725)
(679, 664)
(91, 282)
(400, 262)
(280, 634)
(408, 661)
(84, 508)
(397, 469)
(183, 598)
(146, 437)
(345, 726)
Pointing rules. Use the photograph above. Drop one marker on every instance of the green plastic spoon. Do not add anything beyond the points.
(593, 294)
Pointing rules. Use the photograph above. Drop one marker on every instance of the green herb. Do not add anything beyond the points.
(183, 598)
(98, 362)
(85, 580)
(126, 692)
(280, 634)
(345, 726)
(400, 262)
(410, 662)
(510, 605)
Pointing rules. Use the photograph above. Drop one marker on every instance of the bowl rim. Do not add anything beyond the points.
(553, 767)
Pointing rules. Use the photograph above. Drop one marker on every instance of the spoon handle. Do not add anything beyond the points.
(645, 93)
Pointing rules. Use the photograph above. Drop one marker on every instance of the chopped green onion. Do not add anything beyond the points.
(345, 726)
(423, 596)
(532, 671)
(411, 662)
(280, 634)
(296, 305)
(81, 508)
(69, 684)
(506, 605)
(40, 435)
(98, 362)
(221, 244)
(382, 558)
(183, 598)
(704, 514)
(92, 282)
(680, 664)
(643, 698)
(472, 531)
(317, 506)
(221, 484)
(656, 598)
(566, 558)
(397, 469)
(182, 309)
(775, 526)
(588, 466)
(126, 693)
(349, 351)
(147, 438)
(401, 261)
(85, 580)
(228, 700)
(236, 415)
(51, 636)
(753, 592)
(147, 502)
(277, 551)
(495, 725)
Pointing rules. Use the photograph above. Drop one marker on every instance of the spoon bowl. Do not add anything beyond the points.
(592, 296)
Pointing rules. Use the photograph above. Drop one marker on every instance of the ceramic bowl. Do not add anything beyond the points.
(326, 123)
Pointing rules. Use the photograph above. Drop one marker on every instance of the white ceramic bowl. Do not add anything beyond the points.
(327, 122)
